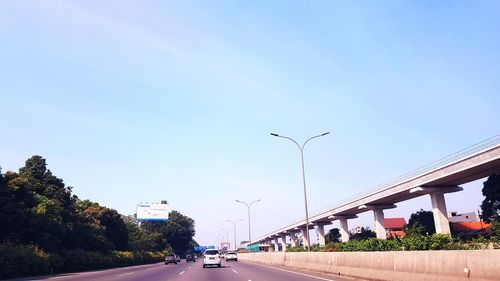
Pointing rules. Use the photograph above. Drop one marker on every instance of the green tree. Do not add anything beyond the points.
(105, 224)
(178, 231)
(11, 213)
(490, 207)
(14, 203)
(142, 239)
(49, 216)
(333, 236)
(422, 222)
(49, 204)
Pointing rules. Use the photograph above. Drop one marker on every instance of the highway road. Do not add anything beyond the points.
(230, 271)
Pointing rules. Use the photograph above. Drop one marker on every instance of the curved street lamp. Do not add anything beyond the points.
(248, 206)
(234, 228)
(301, 148)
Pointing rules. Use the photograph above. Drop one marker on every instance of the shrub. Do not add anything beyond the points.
(122, 258)
(296, 249)
(439, 241)
(416, 242)
(79, 260)
(412, 242)
(20, 260)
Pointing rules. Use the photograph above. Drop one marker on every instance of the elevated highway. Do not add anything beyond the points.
(440, 177)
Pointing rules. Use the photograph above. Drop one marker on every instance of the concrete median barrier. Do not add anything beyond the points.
(481, 265)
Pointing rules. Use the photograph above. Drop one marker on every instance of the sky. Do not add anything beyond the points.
(142, 101)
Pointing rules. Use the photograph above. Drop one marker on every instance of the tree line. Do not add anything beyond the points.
(41, 216)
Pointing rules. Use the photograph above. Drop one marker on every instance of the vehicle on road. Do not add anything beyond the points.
(211, 257)
(190, 257)
(231, 256)
(171, 258)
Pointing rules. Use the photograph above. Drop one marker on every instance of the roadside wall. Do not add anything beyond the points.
(480, 265)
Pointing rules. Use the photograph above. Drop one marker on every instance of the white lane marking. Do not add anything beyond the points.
(298, 273)
(234, 271)
(189, 267)
(102, 271)
(182, 272)
(119, 275)
(76, 274)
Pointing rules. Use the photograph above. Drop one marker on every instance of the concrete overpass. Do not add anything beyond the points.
(440, 177)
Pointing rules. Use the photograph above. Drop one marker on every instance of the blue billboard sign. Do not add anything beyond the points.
(202, 248)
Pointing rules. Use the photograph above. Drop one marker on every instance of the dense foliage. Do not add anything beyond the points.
(490, 206)
(332, 236)
(47, 228)
(422, 222)
(411, 242)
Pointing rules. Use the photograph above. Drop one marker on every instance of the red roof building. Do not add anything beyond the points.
(395, 227)
(470, 226)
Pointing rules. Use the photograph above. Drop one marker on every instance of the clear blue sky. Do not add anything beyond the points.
(146, 100)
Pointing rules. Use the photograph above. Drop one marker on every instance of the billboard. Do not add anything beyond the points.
(225, 246)
(152, 211)
(202, 248)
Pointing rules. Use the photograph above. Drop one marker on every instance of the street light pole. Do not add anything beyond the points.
(221, 237)
(301, 148)
(234, 227)
(248, 206)
(227, 233)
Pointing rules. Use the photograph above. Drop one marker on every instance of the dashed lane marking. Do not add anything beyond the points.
(120, 275)
(234, 271)
(182, 272)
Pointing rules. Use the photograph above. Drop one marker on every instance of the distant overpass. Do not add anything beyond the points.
(440, 177)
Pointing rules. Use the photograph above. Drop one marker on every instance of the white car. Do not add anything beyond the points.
(211, 257)
(231, 256)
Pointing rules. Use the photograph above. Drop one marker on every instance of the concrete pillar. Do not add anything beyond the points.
(440, 214)
(439, 211)
(344, 230)
(378, 213)
(320, 228)
(379, 223)
(305, 243)
(270, 242)
(293, 241)
(276, 245)
(283, 243)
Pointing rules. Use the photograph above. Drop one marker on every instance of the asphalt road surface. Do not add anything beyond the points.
(230, 271)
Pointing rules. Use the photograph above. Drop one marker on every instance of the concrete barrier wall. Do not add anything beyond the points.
(481, 265)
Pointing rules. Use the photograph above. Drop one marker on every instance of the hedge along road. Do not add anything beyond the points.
(230, 271)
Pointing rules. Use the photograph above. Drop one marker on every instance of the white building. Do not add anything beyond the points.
(465, 217)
